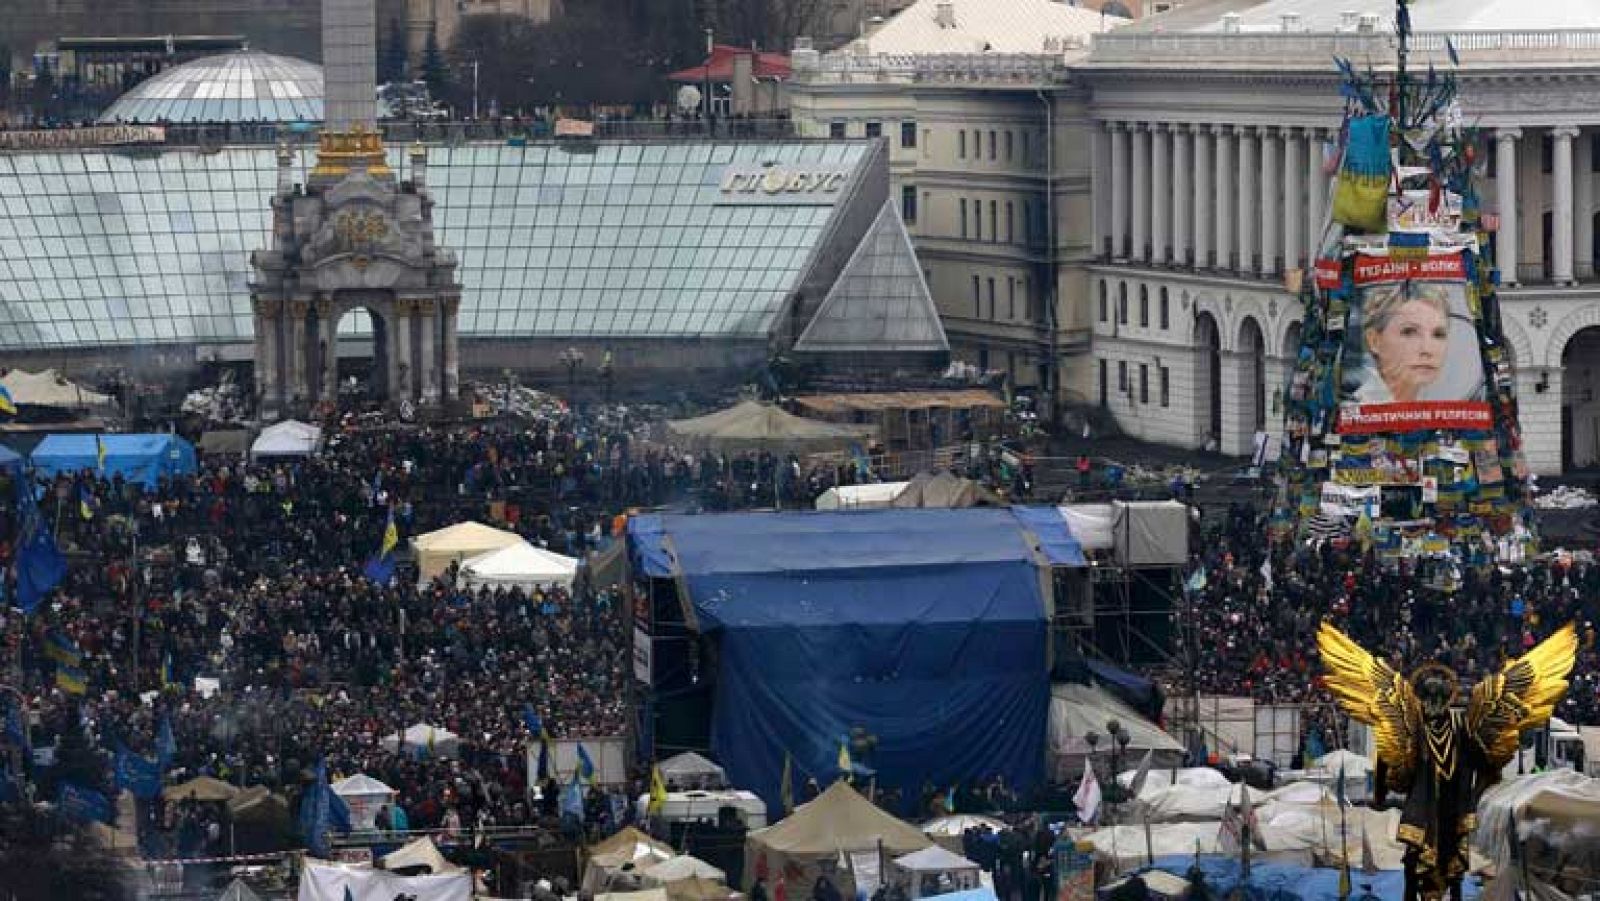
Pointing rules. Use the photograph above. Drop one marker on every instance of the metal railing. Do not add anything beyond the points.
(1314, 49)
(938, 68)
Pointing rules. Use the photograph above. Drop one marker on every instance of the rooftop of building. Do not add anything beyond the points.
(719, 66)
(929, 27)
(245, 86)
(1328, 16)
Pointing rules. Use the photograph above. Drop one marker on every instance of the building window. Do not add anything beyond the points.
(1103, 303)
(1027, 297)
(874, 129)
(1009, 146)
(991, 300)
(977, 219)
(983, 359)
(1144, 384)
(908, 134)
(1122, 303)
(962, 149)
(1011, 298)
(963, 205)
(994, 221)
(1103, 391)
(1144, 306)
(977, 298)
(977, 144)
(835, 129)
(908, 203)
(1166, 388)
(1027, 222)
(993, 155)
(1122, 376)
(1166, 318)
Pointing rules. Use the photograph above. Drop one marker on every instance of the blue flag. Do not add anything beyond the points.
(380, 568)
(40, 566)
(530, 718)
(83, 805)
(321, 812)
(166, 744)
(16, 726)
(585, 765)
(137, 774)
(572, 799)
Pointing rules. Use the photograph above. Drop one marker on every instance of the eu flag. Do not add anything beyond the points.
(321, 812)
(84, 805)
(137, 774)
(40, 566)
(585, 765)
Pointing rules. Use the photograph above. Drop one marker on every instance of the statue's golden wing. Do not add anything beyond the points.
(1521, 696)
(1371, 692)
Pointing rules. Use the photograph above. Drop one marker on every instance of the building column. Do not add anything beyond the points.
(1204, 195)
(1271, 185)
(1316, 195)
(391, 353)
(452, 349)
(1583, 206)
(1561, 227)
(1160, 194)
(299, 382)
(1293, 211)
(1102, 175)
(328, 330)
(1120, 186)
(1182, 199)
(268, 389)
(402, 318)
(1141, 192)
(1249, 252)
(428, 352)
(1222, 201)
(1505, 190)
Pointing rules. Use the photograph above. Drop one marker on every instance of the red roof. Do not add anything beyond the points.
(766, 66)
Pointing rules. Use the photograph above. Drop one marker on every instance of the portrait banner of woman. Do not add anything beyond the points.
(1411, 352)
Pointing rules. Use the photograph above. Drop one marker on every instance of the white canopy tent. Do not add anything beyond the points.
(690, 770)
(873, 496)
(937, 871)
(424, 738)
(459, 543)
(519, 565)
(364, 796)
(1077, 710)
(420, 853)
(290, 438)
(947, 830)
(678, 868)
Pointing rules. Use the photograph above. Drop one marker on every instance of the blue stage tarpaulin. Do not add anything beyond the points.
(1054, 535)
(1292, 882)
(926, 627)
(9, 459)
(145, 459)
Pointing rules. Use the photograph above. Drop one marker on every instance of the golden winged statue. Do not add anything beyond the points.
(1442, 757)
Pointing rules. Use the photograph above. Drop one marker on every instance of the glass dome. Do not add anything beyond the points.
(233, 87)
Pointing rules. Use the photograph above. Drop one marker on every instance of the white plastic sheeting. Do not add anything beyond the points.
(335, 882)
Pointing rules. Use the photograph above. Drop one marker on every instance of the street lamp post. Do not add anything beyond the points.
(711, 50)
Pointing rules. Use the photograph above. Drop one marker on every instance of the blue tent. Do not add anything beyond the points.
(9, 459)
(1293, 882)
(925, 626)
(138, 458)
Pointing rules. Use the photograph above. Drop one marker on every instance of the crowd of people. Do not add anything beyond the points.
(1255, 609)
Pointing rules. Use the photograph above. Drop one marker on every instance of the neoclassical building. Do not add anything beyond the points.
(1211, 129)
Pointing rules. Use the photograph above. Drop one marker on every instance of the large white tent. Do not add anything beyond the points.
(935, 871)
(290, 438)
(690, 770)
(871, 496)
(424, 738)
(1077, 710)
(365, 796)
(519, 565)
(678, 868)
(457, 544)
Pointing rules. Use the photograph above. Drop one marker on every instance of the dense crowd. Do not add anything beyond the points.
(1258, 610)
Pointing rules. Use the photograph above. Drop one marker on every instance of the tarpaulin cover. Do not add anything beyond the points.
(9, 459)
(1055, 538)
(145, 459)
(926, 627)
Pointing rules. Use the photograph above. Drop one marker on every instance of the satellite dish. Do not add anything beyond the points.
(688, 98)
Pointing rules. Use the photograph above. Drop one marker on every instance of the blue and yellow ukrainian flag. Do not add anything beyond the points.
(391, 537)
(86, 502)
(100, 453)
(7, 405)
(71, 680)
(63, 650)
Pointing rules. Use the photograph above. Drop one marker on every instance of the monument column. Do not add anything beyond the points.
(402, 318)
(299, 380)
(328, 331)
(1505, 189)
(1561, 231)
(1248, 252)
(428, 364)
(452, 349)
(1100, 190)
(1583, 207)
(269, 384)
(1316, 194)
(1222, 202)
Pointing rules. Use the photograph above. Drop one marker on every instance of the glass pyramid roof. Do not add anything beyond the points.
(881, 301)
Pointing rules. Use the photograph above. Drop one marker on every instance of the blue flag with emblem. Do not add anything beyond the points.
(572, 799)
(138, 774)
(585, 764)
(40, 566)
(380, 569)
(82, 805)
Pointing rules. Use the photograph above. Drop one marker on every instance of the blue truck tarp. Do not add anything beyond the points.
(926, 627)
(145, 459)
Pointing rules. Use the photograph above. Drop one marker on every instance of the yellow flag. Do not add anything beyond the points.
(658, 791)
(100, 453)
(787, 792)
(846, 771)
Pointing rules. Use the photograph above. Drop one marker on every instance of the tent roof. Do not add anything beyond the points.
(524, 560)
(361, 784)
(200, 788)
(48, 388)
(751, 425)
(238, 890)
(840, 818)
(422, 852)
(690, 764)
(628, 840)
(697, 889)
(682, 867)
(934, 859)
(465, 536)
(719, 66)
(288, 438)
(1076, 710)
(959, 823)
